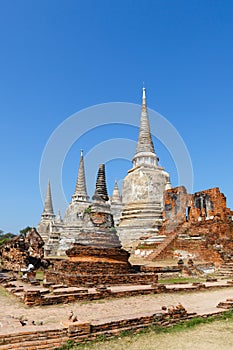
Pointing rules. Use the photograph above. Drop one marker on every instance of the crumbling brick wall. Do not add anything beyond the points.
(20, 251)
(204, 205)
(175, 203)
(207, 205)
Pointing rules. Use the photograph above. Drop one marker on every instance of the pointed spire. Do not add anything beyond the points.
(145, 143)
(58, 217)
(116, 197)
(143, 97)
(48, 205)
(80, 192)
(101, 193)
(145, 153)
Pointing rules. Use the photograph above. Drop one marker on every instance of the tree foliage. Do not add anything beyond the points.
(25, 230)
(5, 237)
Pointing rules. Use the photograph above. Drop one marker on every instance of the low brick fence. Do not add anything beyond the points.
(79, 332)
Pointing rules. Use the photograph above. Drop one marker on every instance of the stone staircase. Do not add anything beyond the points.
(225, 270)
(179, 230)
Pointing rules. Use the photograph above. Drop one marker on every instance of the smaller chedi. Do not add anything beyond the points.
(98, 225)
(59, 234)
(97, 258)
(116, 204)
(80, 217)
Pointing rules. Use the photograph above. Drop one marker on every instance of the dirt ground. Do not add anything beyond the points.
(201, 302)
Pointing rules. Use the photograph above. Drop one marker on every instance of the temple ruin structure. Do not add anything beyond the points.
(137, 212)
(149, 217)
(196, 227)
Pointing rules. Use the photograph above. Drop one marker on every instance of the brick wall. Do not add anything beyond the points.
(202, 205)
(98, 279)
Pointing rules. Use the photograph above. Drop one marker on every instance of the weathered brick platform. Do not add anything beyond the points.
(52, 294)
(87, 265)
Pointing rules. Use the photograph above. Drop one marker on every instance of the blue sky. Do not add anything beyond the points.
(58, 57)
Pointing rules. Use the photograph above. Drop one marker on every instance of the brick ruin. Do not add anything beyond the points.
(91, 266)
(196, 226)
(20, 251)
(179, 206)
(96, 259)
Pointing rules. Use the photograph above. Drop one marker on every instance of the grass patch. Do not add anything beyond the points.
(40, 275)
(88, 210)
(4, 292)
(67, 346)
(146, 246)
(180, 280)
(193, 322)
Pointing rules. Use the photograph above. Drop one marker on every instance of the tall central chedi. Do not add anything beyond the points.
(143, 189)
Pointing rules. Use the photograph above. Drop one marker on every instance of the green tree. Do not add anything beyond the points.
(5, 237)
(25, 230)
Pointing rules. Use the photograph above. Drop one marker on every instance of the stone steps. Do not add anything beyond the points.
(168, 240)
(226, 273)
(225, 267)
(225, 270)
(162, 247)
(228, 304)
